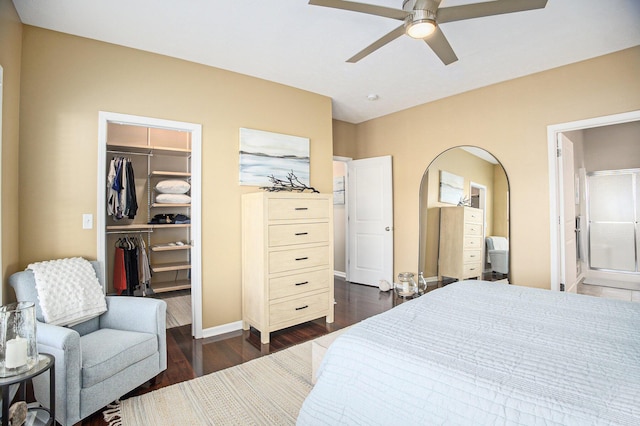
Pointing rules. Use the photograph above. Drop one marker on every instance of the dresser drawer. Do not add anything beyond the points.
(290, 260)
(472, 215)
(472, 229)
(473, 243)
(284, 235)
(292, 285)
(472, 270)
(292, 208)
(292, 310)
(471, 256)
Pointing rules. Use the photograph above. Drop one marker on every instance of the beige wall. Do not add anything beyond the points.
(10, 52)
(344, 139)
(500, 202)
(66, 80)
(509, 120)
(612, 147)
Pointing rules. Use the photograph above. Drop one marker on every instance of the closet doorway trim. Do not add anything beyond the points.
(104, 118)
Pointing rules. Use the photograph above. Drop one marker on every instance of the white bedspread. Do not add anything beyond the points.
(68, 291)
(480, 353)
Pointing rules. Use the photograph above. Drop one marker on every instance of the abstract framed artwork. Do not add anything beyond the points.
(451, 188)
(264, 154)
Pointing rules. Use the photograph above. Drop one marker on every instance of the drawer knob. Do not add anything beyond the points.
(302, 307)
(302, 233)
(301, 258)
(302, 208)
(306, 282)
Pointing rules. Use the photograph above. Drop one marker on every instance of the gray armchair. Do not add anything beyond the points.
(102, 359)
(498, 254)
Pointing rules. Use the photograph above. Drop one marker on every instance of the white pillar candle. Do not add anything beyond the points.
(16, 353)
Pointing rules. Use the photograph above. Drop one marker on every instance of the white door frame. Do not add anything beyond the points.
(1, 259)
(482, 205)
(196, 199)
(555, 180)
(346, 216)
(483, 200)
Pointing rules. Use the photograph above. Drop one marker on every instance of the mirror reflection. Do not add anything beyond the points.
(464, 218)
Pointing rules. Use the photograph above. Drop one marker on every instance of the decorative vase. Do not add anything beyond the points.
(18, 346)
(406, 285)
(422, 284)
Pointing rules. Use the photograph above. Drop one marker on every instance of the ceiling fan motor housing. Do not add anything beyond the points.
(412, 6)
(419, 13)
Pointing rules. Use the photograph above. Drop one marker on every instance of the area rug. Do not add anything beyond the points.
(178, 310)
(178, 307)
(265, 391)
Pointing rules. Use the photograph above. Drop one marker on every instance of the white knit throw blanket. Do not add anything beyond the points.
(68, 291)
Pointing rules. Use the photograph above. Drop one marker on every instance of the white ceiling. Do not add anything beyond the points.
(293, 43)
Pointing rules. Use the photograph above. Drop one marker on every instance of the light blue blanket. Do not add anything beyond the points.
(482, 353)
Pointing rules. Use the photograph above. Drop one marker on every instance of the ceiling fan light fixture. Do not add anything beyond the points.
(420, 24)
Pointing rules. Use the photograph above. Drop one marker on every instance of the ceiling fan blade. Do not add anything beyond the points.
(377, 44)
(441, 47)
(478, 10)
(370, 9)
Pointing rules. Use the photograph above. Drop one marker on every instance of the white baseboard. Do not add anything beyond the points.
(340, 274)
(222, 329)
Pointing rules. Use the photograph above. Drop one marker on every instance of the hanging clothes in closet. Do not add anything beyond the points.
(121, 189)
(131, 270)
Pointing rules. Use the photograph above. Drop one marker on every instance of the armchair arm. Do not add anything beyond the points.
(499, 261)
(64, 344)
(141, 314)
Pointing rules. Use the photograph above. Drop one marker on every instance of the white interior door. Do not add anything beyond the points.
(370, 221)
(569, 259)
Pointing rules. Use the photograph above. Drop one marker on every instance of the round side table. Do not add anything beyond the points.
(44, 416)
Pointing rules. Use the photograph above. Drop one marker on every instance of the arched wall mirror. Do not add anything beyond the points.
(464, 217)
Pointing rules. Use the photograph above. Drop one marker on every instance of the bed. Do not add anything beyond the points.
(477, 352)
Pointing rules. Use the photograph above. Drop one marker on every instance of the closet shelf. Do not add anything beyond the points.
(149, 149)
(169, 174)
(144, 226)
(163, 287)
(165, 267)
(171, 205)
(170, 248)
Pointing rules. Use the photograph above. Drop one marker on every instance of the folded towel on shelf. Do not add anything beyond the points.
(68, 291)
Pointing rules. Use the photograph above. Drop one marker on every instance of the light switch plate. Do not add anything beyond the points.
(87, 221)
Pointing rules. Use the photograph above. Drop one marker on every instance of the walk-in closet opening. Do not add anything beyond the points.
(150, 213)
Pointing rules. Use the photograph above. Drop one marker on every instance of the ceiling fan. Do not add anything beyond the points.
(422, 19)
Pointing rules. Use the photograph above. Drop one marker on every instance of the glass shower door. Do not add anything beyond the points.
(613, 216)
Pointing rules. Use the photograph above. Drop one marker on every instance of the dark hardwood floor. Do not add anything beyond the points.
(188, 358)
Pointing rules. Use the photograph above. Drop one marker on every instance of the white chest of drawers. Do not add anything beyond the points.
(461, 243)
(287, 260)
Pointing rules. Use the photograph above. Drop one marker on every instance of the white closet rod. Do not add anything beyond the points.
(148, 154)
(142, 231)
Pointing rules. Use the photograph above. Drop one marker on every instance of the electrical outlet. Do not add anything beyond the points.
(87, 221)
